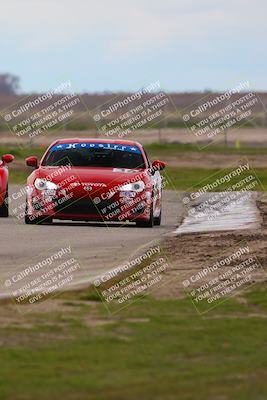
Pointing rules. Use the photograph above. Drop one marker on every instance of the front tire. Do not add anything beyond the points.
(4, 213)
(29, 221)
(150, 222)
(157, 220)
(34, 221)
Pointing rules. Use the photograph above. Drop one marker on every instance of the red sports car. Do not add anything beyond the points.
(6, 159)
(94, 180)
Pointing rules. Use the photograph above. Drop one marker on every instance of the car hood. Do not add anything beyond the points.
(106, 176)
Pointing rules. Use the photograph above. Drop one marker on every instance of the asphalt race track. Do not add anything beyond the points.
(97, 247)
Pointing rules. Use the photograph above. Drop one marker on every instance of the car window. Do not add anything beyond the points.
(95, 155)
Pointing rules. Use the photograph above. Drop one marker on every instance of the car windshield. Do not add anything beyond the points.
(102, 155)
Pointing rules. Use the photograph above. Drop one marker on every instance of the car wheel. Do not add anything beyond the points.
(150, 222)
(4, 208)
(28, 220)
(157, 220)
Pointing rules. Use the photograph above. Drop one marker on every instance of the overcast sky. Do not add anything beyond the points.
(125, 44)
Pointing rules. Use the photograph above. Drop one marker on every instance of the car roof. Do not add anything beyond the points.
(93, 140)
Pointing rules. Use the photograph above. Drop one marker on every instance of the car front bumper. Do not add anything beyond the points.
(69, 207)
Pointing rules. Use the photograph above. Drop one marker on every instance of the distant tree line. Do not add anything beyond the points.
(9, 84)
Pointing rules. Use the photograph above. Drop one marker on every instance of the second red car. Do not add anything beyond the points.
(6, 159)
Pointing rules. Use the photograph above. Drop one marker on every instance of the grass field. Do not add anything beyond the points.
(154, 349)
(195, 178)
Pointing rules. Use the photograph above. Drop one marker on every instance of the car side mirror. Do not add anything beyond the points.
(7, 158)
(32, 162)
(158, 165)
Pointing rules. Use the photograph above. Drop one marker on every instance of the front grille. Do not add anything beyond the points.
(82, 206)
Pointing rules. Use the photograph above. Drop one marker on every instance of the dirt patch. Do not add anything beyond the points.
(189, 253)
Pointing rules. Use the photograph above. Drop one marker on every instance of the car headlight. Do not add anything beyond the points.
(42, 184)
(133, 187)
